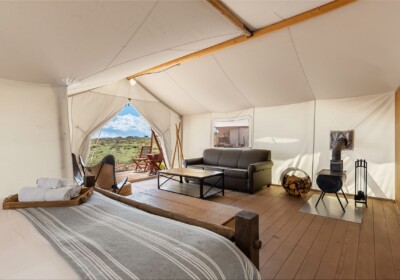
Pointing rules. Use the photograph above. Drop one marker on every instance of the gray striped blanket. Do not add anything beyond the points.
(105, 239)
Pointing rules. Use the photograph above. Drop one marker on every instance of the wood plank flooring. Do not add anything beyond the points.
(297, 245)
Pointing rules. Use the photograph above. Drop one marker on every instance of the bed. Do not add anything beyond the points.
(105, 239)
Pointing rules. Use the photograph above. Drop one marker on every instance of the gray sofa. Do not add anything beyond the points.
(245, 170)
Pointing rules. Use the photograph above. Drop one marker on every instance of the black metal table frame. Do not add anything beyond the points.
(201, 182)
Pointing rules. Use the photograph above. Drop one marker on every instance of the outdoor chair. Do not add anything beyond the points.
(77, 172)
(105, 177)
(141, 162)
(154, 163)
(85, 168)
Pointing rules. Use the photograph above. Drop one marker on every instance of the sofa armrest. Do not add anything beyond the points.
(258, 166)
(192, 161)
(260, 175)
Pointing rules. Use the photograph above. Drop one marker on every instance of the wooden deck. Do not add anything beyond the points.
(297, 245)
(134, 176)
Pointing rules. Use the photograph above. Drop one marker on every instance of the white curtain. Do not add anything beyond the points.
(35, 136)
(89, 111)
(162, 120)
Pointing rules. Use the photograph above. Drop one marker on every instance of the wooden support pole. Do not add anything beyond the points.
(177, 144)
(174, 155)
(180, 143)
(153, 134)
(247, 236)
(259, 33)
(178, 152)
(397, 147)
(151, 141)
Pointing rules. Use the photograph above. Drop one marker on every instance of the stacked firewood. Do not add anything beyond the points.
(296, 186)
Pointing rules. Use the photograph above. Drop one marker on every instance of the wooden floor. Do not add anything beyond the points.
(134, 176)
(297, 245)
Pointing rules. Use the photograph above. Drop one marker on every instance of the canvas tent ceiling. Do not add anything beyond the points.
(331, 56)
(257, 14)
(100, 41)
(96, 43)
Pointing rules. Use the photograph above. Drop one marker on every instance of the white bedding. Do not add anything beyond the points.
(25, 253)
(143, 246)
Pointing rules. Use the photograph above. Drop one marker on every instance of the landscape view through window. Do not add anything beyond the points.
(122, 136)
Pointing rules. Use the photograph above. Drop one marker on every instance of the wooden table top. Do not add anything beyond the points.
(190, 172)
(199, 209)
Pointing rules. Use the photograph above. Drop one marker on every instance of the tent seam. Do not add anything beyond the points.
(230, 80)
(132, 36)
(312, 93)
(194, 99)
(163, 50)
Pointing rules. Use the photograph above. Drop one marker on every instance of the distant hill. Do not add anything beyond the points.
(124, 150)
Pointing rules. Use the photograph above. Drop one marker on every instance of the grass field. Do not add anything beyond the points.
(123, 149)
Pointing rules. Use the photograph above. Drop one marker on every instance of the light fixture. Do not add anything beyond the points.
(132, 82)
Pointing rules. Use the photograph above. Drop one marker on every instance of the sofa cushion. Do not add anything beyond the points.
(248, 157)
(196, 166)
(229, 157)
(207, 167)
(236, 173)
(211, 156)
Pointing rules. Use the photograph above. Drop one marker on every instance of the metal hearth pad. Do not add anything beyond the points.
(330, 207)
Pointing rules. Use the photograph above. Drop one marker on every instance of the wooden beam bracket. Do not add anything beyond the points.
(218, 5)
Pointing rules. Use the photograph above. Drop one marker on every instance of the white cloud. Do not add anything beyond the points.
(126, 123)
(105, 134)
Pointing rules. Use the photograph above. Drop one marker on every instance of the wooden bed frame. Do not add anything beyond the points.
(245, 235)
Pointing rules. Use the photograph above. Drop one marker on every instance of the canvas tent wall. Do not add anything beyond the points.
(34, 134)
(290, 78)
(299, 135)
(89, 111)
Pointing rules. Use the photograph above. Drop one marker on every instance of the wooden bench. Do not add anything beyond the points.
(201, 210)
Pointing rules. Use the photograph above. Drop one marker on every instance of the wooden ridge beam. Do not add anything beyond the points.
(218, 5)
(260, 32)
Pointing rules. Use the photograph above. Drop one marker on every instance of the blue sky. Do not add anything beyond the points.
(128, 122)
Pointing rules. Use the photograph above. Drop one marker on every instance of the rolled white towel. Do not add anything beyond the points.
(64, 182)
(49, 183)
(27, 194)
(64, 193)
(75, 191)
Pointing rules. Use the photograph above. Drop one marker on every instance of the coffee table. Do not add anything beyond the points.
(192, 173)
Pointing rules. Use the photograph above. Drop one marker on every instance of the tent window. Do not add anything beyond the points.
(234, 133)
(122, 136)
